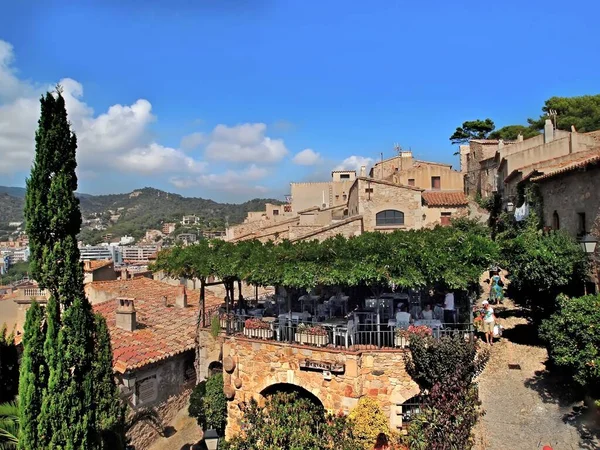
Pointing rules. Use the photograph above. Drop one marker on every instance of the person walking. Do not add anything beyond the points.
(382, 442)
(449, 311)
(489, 321)
(496, 288)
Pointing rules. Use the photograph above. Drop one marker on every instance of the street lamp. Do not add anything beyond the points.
(211, 439)
(588, 243)
(510, 207)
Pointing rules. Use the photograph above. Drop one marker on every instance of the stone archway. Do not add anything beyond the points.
(215, 368)
(289, 388)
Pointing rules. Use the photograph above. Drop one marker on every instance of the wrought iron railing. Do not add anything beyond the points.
(333, 333)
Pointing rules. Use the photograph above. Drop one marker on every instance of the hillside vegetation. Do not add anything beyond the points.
(135, 212)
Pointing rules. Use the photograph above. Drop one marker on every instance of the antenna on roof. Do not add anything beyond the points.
(397, 148)
(552, 114)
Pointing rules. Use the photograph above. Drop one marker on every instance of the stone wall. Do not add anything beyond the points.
(143, 434)
(386, 195)
(433, 214)
(347, 227)
(261, 364)
(422, 172)
(570, 194)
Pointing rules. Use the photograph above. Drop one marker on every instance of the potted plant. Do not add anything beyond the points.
(226, 317)
(401, 338)
(257, 328)
(312, 334)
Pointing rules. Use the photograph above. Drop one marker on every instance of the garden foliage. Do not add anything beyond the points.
(572, 335)
(208, 404)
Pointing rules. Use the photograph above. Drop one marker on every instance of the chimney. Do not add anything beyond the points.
(181, 299)
(124, 273)
(87, 265)
(520, 138)
(126, 314)
(363, 171)
(548, 131)
(500, 144)
(573, 129)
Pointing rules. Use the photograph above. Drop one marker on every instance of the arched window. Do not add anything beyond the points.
(389, 217)
(555, 221)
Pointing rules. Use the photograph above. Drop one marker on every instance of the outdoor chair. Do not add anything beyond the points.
(348, 333)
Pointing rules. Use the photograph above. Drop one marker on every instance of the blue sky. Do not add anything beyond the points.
(216, 98)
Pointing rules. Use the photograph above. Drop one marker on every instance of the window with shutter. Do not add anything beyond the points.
(146, 390)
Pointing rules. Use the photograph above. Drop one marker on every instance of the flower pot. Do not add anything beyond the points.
(258, 333)
(400, 341)
(312, 339)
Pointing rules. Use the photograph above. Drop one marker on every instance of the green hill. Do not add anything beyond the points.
(135, 212)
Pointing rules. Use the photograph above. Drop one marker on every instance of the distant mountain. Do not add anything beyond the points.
(135, 212)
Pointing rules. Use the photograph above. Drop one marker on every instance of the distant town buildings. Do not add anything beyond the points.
(190, 220)
(168, 227)
(187, 238)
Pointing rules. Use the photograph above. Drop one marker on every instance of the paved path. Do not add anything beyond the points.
(526, 408)
(184, 432)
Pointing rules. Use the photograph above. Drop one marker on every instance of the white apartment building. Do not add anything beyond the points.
(138, 253)
(94, 252)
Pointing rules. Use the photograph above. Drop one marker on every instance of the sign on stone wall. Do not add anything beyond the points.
(309, 364)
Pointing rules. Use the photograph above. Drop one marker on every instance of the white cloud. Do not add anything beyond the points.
(307, 157)
(354, 162)
(230, 180)
(118, 138)
(192, 141)
(244, 143)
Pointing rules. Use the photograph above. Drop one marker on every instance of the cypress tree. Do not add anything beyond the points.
(71, 414)
(33, 376)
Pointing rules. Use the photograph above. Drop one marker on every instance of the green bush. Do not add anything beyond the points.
(368, 421)
(292, 423)
(572, 335)
(541, 266)
(9, 366)
(208, 404)
(445, 370)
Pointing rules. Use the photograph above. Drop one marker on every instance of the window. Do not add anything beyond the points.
(445, 219)
(581, 224)
(369, 190)
(275, 212)
(345, 176)
(146, 390)
(344, 197)
(436, 183)
(555, 221)
(411, 181)
(389, 217)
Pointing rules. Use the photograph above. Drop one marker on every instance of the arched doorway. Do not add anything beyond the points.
(291, 388)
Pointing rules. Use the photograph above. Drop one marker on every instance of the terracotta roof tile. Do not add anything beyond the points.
(163, 331)
(90, 266)
(444, 198)
(568, 166)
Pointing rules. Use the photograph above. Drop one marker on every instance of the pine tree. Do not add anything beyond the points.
(32, 381)
(71, 414)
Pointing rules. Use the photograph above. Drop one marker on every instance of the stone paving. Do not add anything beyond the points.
(527, 408)
(183, 431)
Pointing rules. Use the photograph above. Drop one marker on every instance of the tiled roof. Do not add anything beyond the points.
(163, 331)
(441, 198)
(90, 266)
(568, 167)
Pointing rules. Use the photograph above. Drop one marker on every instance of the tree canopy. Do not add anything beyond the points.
(444, 257)
(472, 129)
(512, 132)
(583, 112)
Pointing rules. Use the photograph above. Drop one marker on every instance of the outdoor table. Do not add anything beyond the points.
(333, 324)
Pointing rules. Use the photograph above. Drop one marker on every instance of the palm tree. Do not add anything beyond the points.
(9, 425)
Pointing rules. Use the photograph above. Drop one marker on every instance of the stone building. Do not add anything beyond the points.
(395, 195)
(98, 270)
(488, 165)
(571, 198)
(152, 327)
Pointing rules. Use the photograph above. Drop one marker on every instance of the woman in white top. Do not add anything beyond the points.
(427, 313)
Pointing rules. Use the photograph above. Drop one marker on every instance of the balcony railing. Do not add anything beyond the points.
(335, 333)
(34, 292)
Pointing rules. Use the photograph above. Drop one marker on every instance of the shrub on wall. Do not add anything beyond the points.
(208, 404)
(368, 421)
